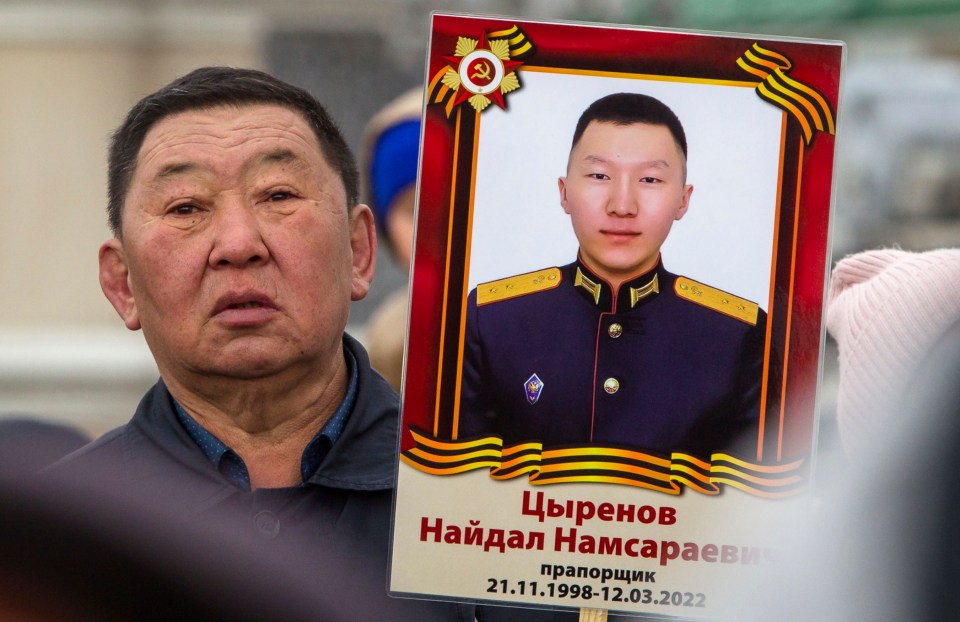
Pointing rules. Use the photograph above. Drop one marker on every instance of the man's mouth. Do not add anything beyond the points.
(238, 306)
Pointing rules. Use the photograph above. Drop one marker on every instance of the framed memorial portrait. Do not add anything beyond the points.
(615, 334)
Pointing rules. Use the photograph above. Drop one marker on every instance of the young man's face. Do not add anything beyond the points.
(625, 186)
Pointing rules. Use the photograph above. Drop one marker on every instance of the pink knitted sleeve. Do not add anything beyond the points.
(886, 308)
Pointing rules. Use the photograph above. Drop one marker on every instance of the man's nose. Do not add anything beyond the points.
(624, 199)
(238, 236)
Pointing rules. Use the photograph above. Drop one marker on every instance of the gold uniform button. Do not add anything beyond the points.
(611, 385)
(615, 330)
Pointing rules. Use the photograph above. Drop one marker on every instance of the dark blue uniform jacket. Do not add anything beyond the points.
(664, 364)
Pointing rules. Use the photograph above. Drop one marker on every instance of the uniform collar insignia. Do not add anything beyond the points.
(639, 293)
(594, 288)
(631, 294)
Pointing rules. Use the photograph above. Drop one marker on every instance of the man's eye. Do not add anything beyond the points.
(649, 180)
(598, 176)
(279, 196)
(184, 210)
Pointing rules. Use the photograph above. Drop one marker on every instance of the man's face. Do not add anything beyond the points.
(239, 255)
(624, 189)
(400, 226)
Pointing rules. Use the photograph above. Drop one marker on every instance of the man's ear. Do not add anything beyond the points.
(115, 282)
(684, 201)
(363, 242)
(562, 186)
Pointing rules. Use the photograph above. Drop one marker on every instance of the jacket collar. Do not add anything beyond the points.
(363, 456)
(633, 293)
(361, 459)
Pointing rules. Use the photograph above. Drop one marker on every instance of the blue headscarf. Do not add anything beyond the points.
(393, 166)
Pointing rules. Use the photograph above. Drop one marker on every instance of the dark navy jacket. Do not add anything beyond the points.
(664, 364)
(333, 530)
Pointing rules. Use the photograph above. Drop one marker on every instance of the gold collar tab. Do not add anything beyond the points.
(594, 288)
(639, 293)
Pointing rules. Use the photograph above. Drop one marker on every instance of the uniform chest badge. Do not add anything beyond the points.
(533, 387)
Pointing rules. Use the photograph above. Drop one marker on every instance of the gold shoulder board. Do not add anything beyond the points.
(717, 299)
(516, 286)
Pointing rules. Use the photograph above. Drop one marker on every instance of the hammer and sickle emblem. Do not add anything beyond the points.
(482, 70)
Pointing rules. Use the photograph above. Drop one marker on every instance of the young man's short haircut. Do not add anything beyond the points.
(630, 108)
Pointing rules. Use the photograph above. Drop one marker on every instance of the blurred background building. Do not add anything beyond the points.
(70, 70)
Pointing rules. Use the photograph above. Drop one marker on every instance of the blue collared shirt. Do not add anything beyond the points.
(231, 466)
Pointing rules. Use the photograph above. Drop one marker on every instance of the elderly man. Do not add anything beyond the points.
(238, 246)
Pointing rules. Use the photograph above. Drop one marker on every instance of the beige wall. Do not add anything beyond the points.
(67, 76)
(59, 101)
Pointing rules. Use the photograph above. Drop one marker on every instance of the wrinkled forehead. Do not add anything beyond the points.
(225, 141)
(227, 128)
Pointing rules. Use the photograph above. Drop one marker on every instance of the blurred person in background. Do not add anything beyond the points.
(886, 309)
(882, 542)
(239, 244)
(391, 141)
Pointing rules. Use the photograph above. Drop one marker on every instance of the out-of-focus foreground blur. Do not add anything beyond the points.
(70, 70)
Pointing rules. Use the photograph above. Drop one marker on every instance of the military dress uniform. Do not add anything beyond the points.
(664, 364)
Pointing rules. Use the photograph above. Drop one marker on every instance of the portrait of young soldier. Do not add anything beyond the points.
(613, 349)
